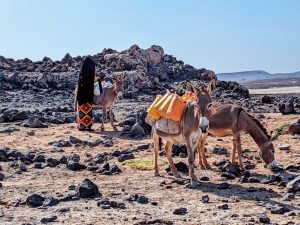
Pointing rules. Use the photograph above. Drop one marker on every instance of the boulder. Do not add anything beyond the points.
(88, 189)
(137, 130)
(35, 200)
(294, 128)
(294, 185)
(266, 99)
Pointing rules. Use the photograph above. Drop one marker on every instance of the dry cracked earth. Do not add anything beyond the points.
(128, 193)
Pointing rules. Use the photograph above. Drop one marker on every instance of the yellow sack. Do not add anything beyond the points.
(175, 109)
(153, 112)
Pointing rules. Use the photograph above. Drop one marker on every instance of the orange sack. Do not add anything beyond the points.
(175, 109)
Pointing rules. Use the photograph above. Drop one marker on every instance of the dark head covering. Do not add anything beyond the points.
(86, 82)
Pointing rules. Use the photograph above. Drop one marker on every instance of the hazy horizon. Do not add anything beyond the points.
(224, 36)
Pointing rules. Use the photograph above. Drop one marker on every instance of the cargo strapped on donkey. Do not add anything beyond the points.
(166, 111)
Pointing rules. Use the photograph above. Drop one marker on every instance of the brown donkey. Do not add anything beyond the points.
(229, 119)
(108, 97)
(192, 125)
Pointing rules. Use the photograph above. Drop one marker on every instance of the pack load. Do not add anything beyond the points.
(169, 106)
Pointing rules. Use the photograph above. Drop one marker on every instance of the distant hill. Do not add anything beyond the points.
(246, 76)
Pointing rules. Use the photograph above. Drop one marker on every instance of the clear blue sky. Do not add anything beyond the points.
(223, 35)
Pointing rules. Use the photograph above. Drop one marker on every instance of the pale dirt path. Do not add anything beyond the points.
(243, 207)
(277, 90)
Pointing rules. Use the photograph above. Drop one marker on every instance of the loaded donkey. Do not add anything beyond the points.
(193, 125)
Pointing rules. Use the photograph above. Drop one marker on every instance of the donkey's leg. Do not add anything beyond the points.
(103, 117)
(168, 150)
(239, 150)
(233, 150)
(200, 154)
(204, 160)
(111, 118)
(156, 148)
(191, 159)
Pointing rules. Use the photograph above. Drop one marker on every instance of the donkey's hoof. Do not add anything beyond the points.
(156, 174)
(178, 176)
(242, 167)
(207, 166)
(193, 185)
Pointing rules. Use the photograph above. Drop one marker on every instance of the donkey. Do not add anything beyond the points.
(191, 127)
(107, 98)
(204, 103)
(230, 119)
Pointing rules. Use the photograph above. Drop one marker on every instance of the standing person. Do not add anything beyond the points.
(84, 95)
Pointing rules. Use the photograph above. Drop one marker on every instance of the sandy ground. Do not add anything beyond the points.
(244, 207)
(276, 90)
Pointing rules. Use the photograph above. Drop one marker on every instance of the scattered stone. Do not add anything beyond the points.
(220, 151)
(39, 165)
(49, 219)
(292, 167)
(180, 211)
(279, 210)
(143, 146)
(73, 163)
(224, 206)
(52, 162)
(63, 160)
(2, 176)
(142, 200)
(205, 199)
(123, 158)
(294, 128)
(137, 130)
(88, 189)
(63, 144)
(284, 146)
(231, 168)
(204, 178)
(39, 158)
(253, 180)
(288, 197)
(294, 185)
(227, 175)
(35, 123)
(179, 149)
(114, 169)
(104, 203)
(266, 99)
(35, 200)
(50, 201)
(264, 219)
(74, 140)
(22, 167)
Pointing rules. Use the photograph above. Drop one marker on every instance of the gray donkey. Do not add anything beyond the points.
(108, 97)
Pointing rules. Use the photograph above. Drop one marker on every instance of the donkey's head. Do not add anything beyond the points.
(119, 86)
(204, 100)
(267, 153)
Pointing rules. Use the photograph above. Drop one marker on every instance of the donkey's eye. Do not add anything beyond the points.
(209, 105)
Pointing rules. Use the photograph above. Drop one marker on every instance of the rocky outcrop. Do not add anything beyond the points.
(148, 71)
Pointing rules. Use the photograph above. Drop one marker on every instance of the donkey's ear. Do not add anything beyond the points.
(194, 89)
(212, 85)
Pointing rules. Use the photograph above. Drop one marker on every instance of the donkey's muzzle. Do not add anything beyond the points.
(204, 129)
(204, 124)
